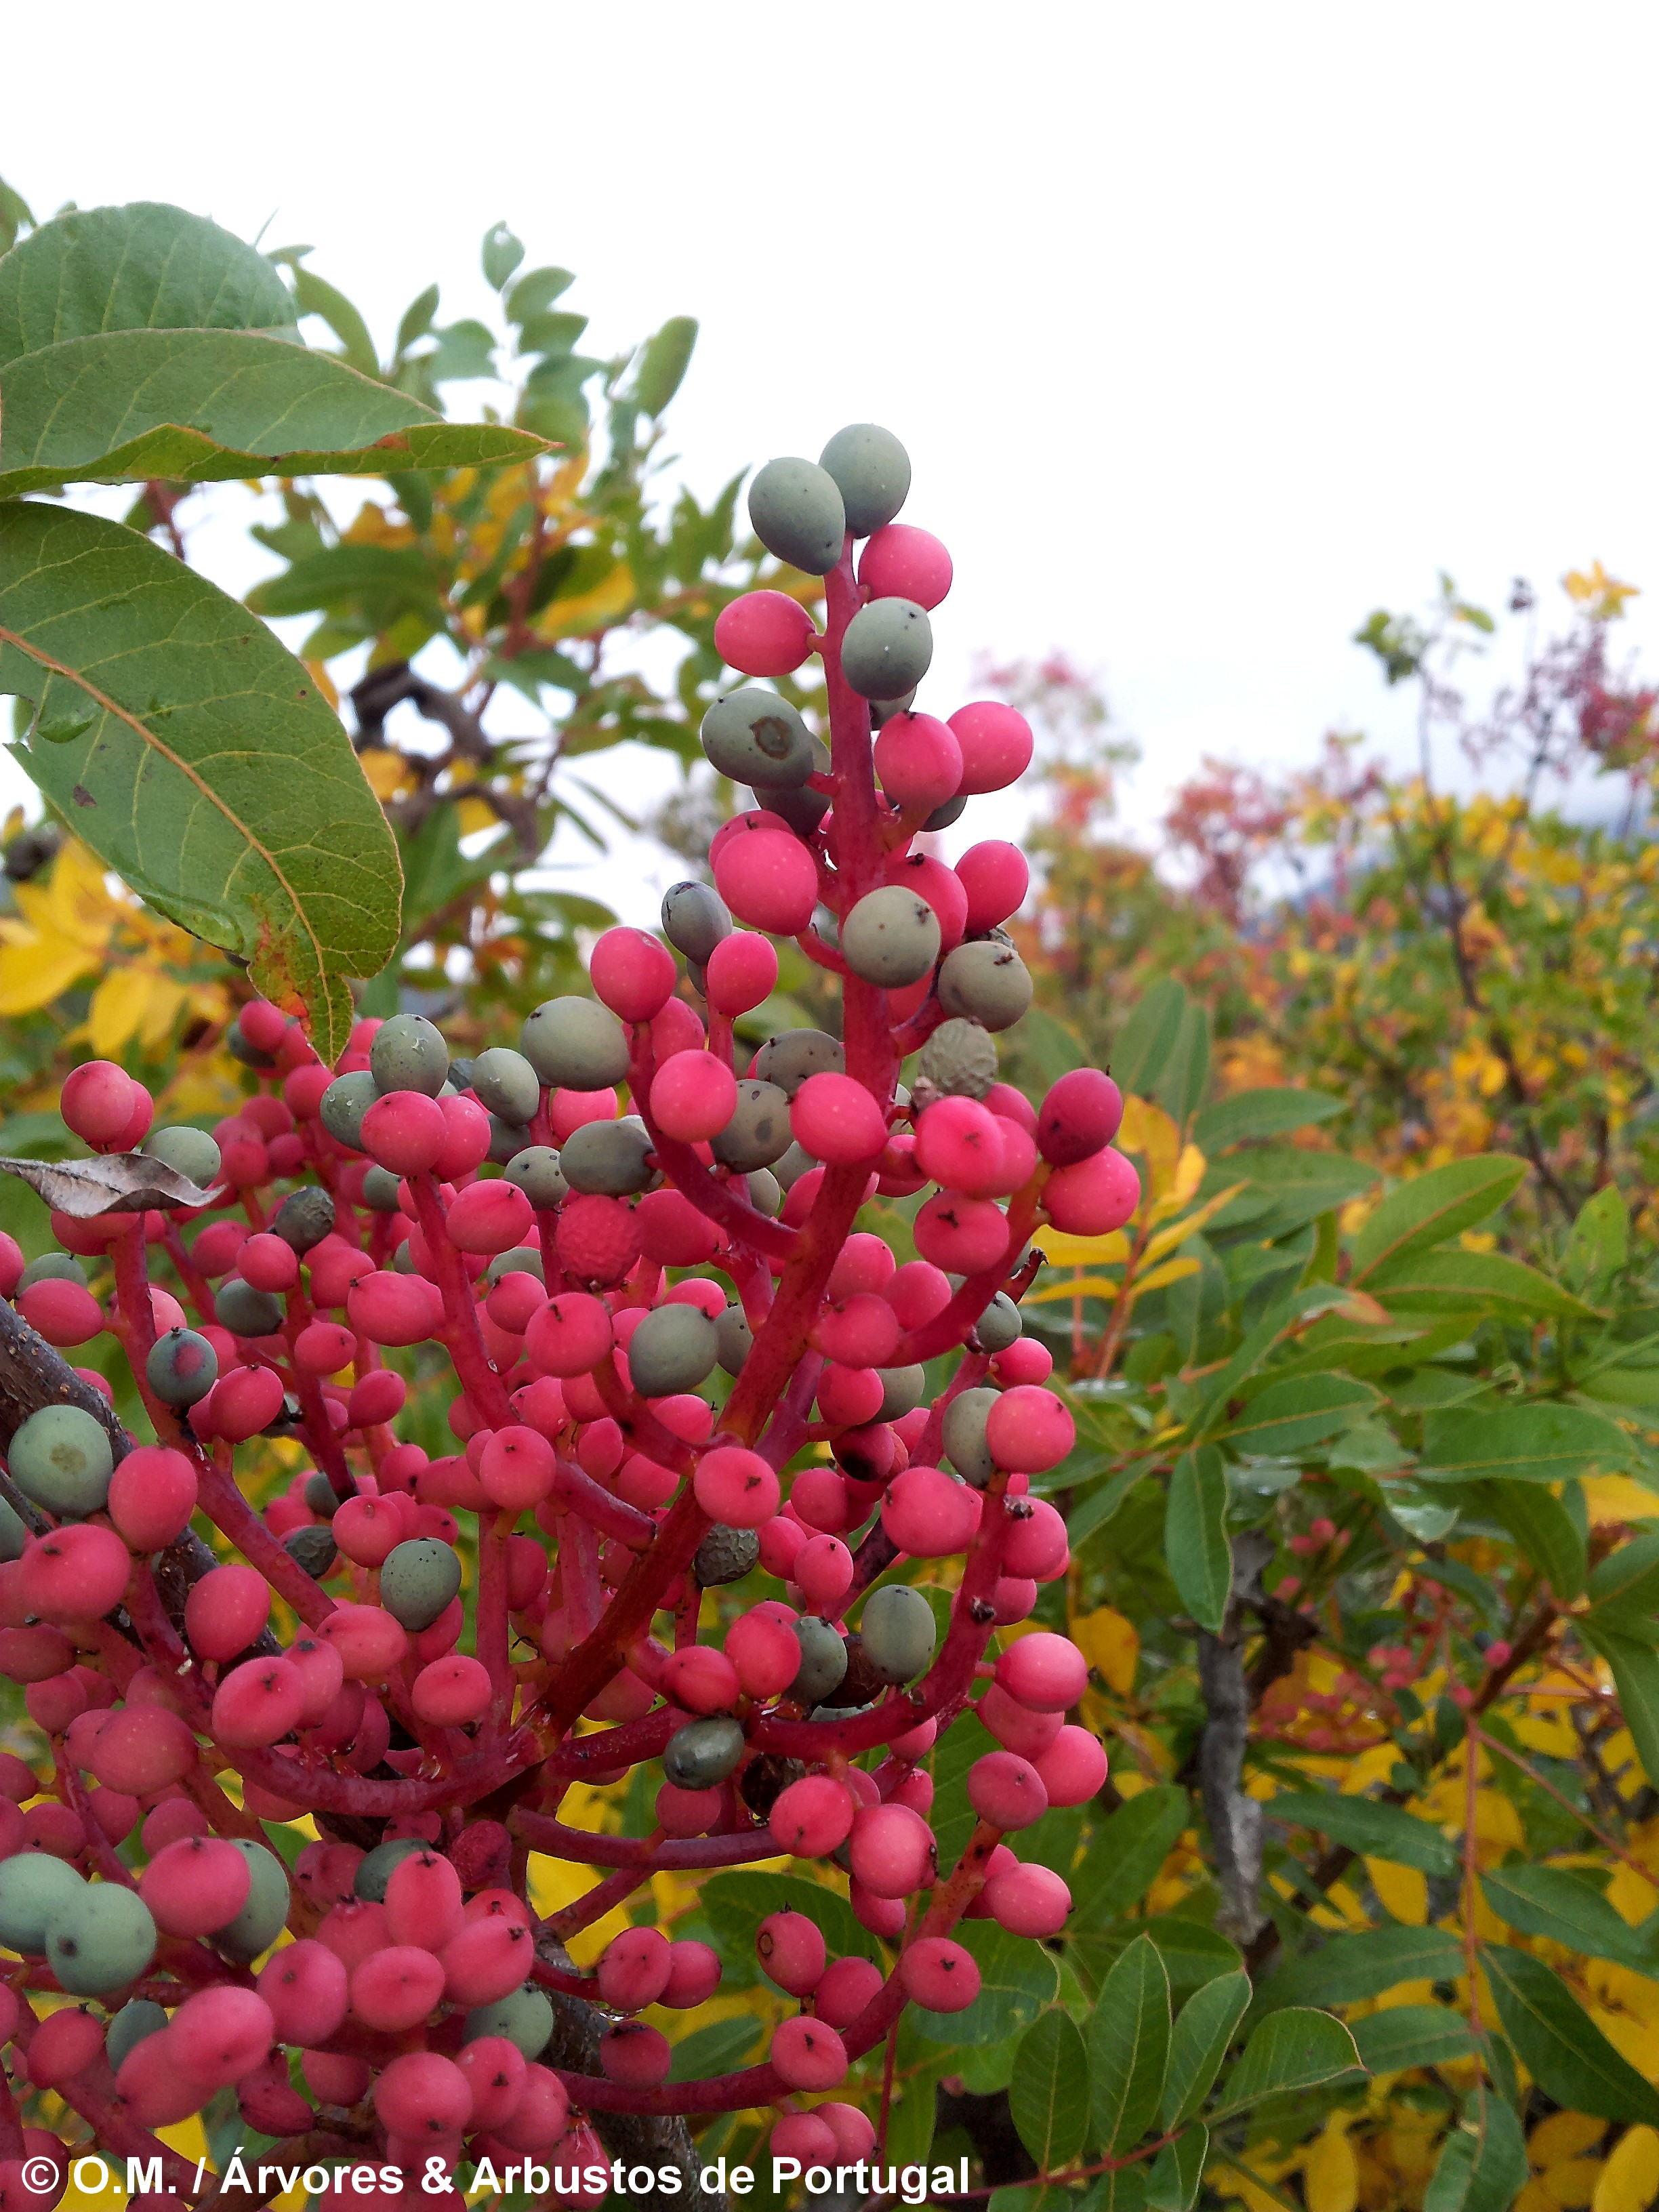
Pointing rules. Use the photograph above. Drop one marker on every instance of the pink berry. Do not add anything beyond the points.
(814, 1816)
(64, 2045)
(324, 1347)
(1031, 1430)
(1079, 1117)
(764, 633)
(803, 2136)
(736, 1486)
(694, 1095)
(741, 826)
(392, 1309)
(258, 1703)
(764, 1653)
(1015, 1726)
(847, 1986)
(996, 745)
(1094, 1197)
(893, 1851)
(688, 1812)
(466, 1138)
(495, 2070)
(1006, 1790)
(395, 1989)
(918, 760)
(883, 1916)
(694, 1974)
(1028, 1901)
(633, 1971)
(701, 1679)
(741, 974)
(918, 1292)
(1024, 1361)
(516, 1469)
(269, 1263)
(1044, 1671)
(637, 2056)
(598, 1239)
(791, 1950)
(864, 1332)
(423, 1900)
(404, 1132)
(219, 2034)
(769, 880)
(570, 1111)
(74, 1573)
(633, 974)
(99, 1100)
(963, 1236)
(850, 1397)
(487, 1961)
(1073, 1768)
(836, 1119)
(941, 1973)
(422, 2093)
(225, 1610)
(928, 1515)
(490, 1217)
(902, 562)
(996, 878)
(570, 1335)
(808, 2054)
(370, 1641)
(959, 1147)
(63, 1313)
(245, 1400)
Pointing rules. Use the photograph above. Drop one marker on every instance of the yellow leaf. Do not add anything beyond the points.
(1170, 1272)
(1330, 2176)
(1563, 2136)
(476, 814)
(387, 772)
(612, 596)
(1111, 1645)
(1404, 1891)
(1572, 2183)
(1612, 1497)
(1148, 1130)
(32, 975)
(117, 1010)
(1063, 1251)
(1178, 1232)
(1629, 2180)
(1079, 1287)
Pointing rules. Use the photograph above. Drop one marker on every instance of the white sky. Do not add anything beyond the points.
(1209, 328)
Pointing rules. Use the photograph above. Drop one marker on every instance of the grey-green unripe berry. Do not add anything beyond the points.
(239, 1048)
(505, 1085)
(985, 981)
(758, 1131)
(610, 1157)
(13, 1534)
(375, 1868)
(314, 1551)
(959, 1059)
(181, 1367)
(537, 1172)
(725, 1555)
(766, 1192)
(674, 1348)
(264, 1915)
(32, 1885)
(796, 511)
(524, 2018)
(951, 811)
(187, 1151)
(755, 736)
(899, 1632)
(887, 648)
(575, 1044)
(522, 1260)
(803, 810)
(418, 1579)
(245, 1311)
(964, 1435)
(891, 937)
(1000, 1324)
(380, 1191)
(881, 712)
(872, 472)
(408, 1054)
(902, 1389)
(735, 1338)
(61, 1458)
(703, 1751)
(795, 1163)
(100, 1938)
(792, 1056)
(344, 1105)
(137, 2018)
(52, 1267)
(305, 1217)
(823, 1661)
(506, 1140)
(319, 1494)
(460, 1075)
(694, 920)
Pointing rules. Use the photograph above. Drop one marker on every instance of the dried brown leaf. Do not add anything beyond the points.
(117, 1182)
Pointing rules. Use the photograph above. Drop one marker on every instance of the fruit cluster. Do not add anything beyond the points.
(680, 1366)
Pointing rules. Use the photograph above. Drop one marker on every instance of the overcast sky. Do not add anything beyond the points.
(1209, 328)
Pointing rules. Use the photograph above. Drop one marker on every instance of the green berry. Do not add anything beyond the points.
(703, 1752)
(418, 1580)
(380, 1191)
(408, 1054)
(264, 1915)
(344, 1105)
(757, 738)
(695, 919)
(823, 1661)
(902, 1389)
(51, 1267)
(189, 1153)
(673, 1349)
(32, 1885)
(899, 1633)
(725, 1555)
(985, 981)
(575, 1044)
(13, 1534)
(137, 2018)
(796, 511)
(891, 937)
(887, 648)
(522, 1260)
(766, 1192)
(61, 1457)
(305, 1217)
(792, 1056)
(245, 1311)
(100, 1939)
(871, 470)
(758, 1131)
(314, 1551)
(505, 1085)
(943, 816)
(536, 1171)
(964, 1435)
(374, 1868)
(735, 1337)
(1000, 1324)
(526, 2019)
(958, 1059)
(181, 1367)
(612, 1158)
(319, 1494)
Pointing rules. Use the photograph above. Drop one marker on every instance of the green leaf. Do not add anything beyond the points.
(1379, 1831)
(501, 254)
(1347, 1968)
(536, 291)
(1434, 1208)
(1287, 1188)
(1297, 2048)
(719, 2048)
(213, 778)
(1543, 1529)
(1201, 1560)
(1482, 2166)
(1624, 1590)
(388, 580)
(1568, 1908)
(1539, 1442)
(15, 215)
(1203, 2033)
(144, 267)
(1185, 1075)
(417, 319)
(1558, 2043)
(1129, 2046)
(315, 297)
(1411, 2035)
(1193, 1955)
(201, 406)
(1472, 1282)
(1048, 2094)
(1172, 2185)
(1048, 1045)
(1600, 1243)
(1270, 1112)
(1287, 1417)
(1125, 1853)
(1150, 1038)
(1018, 1978)
(736, 1904)
(1635, 1666)
(663, 364)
